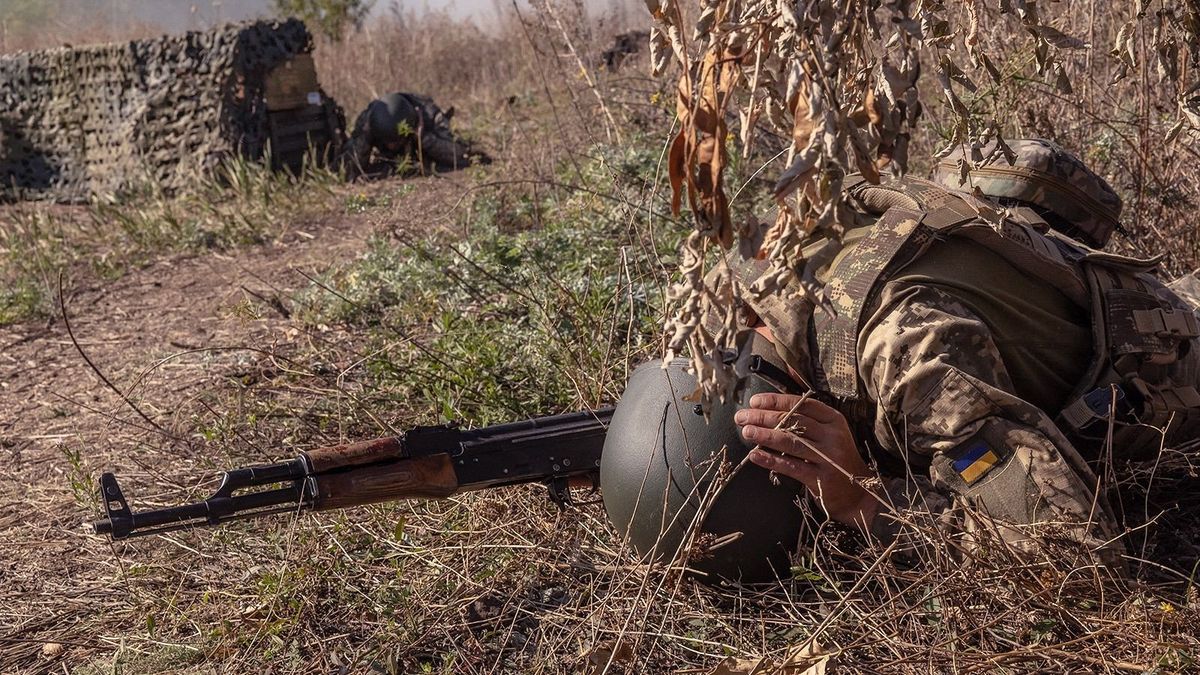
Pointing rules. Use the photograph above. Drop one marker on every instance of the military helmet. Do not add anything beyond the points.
(388, 116)
(1069, 195)
(660, 464)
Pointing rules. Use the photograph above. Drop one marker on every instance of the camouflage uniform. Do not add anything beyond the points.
(916, 366)
(946, 404)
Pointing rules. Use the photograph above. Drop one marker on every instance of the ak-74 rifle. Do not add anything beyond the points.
(425, 462)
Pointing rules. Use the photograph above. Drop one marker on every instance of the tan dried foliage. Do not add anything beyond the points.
(699, 152)
(807, 659)
(842, 80)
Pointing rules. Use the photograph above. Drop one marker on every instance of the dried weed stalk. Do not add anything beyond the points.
(843, 81)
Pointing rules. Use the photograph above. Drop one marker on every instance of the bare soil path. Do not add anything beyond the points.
(164, 335)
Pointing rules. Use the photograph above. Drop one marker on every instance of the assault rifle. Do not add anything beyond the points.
(425, 462)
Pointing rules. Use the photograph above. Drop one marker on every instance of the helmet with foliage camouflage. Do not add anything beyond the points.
(1068, 195)
(660, 465)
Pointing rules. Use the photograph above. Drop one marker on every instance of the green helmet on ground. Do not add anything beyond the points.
(660, 464)
(1067, 194)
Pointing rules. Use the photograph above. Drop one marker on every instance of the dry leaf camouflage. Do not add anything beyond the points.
(840, 80)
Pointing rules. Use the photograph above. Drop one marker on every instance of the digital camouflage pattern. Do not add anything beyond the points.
(76, 122)
(1040, 173)
(940, 386)
(935, 394)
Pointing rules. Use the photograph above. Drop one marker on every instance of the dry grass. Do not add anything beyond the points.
(501, 581)
(1119, 129)
(506, 81)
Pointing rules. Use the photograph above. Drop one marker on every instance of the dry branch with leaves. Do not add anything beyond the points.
(848, 83)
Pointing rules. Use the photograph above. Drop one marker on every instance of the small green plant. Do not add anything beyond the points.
(519, 318)
(81, 480)
(331, 17)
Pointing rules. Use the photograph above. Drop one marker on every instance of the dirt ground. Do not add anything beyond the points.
(164, 335)
(195, 342)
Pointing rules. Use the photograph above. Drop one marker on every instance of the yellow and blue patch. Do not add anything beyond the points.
(976, 461)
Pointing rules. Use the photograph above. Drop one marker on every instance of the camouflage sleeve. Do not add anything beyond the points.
(996, 463)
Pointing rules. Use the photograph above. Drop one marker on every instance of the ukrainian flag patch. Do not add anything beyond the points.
(974, 463)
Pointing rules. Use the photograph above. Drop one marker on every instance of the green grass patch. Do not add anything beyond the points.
(242, 203)
(539, 300)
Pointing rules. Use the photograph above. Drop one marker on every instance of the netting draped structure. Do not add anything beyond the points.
(78, 122)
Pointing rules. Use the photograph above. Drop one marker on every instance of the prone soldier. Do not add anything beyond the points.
(403, 126)
(980, 363)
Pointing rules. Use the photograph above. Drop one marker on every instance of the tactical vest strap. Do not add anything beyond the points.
(909, 193)
(950, 215)
(1166, 323)
(1126, 336)
(853, 285)
(1143, 346)
(1138, 322)
(1174, 400)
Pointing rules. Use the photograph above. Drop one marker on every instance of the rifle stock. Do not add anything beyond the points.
(426, 462)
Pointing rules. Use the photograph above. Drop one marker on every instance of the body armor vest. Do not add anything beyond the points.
(1145, 367)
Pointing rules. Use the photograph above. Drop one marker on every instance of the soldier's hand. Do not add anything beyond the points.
(810, 442)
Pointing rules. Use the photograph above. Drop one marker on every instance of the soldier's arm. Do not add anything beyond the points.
(996, 462)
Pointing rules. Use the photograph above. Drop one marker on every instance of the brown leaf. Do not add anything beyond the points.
(868, 168)
(871, 110)
(803, 123)
(900, 154)
(972, 37)
(956, 74)
(1189, 106)
(807, 660)
(1061, 82)
(701, 143)
(980, 58)
(1058, 38)
(677, 169)
(1173, 132)
(1123, 49)
(601, 657)
(1168, 60)
(802, 170)
(660, 50)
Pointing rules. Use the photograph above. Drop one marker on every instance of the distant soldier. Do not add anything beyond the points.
(401, 127)
(624, 45)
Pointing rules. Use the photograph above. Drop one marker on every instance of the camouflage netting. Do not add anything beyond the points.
(77, 122)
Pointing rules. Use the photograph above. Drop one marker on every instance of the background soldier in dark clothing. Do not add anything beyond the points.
(404, 126)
